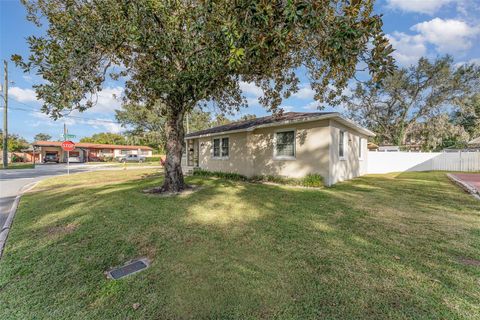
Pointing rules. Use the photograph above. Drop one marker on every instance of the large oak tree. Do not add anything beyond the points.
(182, 53)
(415, 102)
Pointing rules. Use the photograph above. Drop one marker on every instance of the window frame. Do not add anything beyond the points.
(220, 156)
(342, 137)
(282, 157)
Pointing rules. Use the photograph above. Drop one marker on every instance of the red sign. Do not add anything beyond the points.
(68, 146)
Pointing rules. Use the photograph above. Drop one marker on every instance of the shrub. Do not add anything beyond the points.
(310, 180)
(219, 174)
(16, 158)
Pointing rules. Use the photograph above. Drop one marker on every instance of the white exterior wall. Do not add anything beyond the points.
(351, 165)
(385, 162)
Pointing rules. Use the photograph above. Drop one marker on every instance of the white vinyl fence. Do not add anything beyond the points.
(384, 162)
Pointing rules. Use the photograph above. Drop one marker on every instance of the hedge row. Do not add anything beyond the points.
(310, 180)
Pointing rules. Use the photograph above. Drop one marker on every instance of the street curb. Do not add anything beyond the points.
(8, 223)
(465, 186)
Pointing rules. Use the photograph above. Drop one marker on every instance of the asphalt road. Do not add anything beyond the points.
(13, 180)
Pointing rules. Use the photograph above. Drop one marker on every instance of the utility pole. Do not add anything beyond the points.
(5, 120)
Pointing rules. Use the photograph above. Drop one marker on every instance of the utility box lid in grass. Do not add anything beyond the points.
(131, 267)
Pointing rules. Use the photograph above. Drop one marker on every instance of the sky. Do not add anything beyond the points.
(415, 28)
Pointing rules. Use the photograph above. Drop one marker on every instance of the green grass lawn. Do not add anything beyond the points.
(384, 246)
(19, 165)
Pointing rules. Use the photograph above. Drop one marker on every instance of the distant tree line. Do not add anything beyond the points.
(432, 105)
(15, 142)
(146, 125)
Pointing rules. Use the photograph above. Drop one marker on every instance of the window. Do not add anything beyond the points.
(216, 148)
(225, 147)
(341, 145)
(124, 151)
(285, 144)
(360, 144)
(220, 148)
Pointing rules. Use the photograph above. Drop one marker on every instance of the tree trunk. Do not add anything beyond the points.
(175, 134)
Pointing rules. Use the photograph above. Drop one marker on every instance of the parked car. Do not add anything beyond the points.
(51, 157)
(131, 158)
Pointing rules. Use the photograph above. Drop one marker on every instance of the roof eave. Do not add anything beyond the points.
(336, 115)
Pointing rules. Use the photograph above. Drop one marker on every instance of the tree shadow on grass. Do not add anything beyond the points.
(361, 249)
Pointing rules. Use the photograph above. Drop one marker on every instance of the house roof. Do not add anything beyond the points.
(474, 142)
(272, 120)
(90, 145)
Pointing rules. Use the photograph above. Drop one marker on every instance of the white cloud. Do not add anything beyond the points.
(253, 102)
(312, 106)
(421, 6)
(107, 100)
(408, 49)
(23, 95)
(250, 88)
(448, 36)
(106, 124)
(305, 92)
(475, 61)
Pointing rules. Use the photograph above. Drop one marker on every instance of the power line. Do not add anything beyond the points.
(66, 116)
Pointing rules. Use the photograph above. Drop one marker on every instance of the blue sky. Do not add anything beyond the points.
(415, 28)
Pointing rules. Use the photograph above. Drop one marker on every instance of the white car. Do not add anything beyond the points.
(131, 158)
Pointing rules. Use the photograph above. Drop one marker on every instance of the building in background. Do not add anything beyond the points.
(87, 152)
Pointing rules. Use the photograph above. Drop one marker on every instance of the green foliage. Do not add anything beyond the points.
(15, 142)
(310, 180)
(468, 115)
(413, 105)
(106, 138)
(246, 117)
(42, 137)
(178, 55)
(147, 124)
(219, 174)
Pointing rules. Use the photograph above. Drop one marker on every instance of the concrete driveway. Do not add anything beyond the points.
(13, 180)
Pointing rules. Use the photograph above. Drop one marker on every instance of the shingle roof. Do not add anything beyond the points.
(249, 124)
(90, 145)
